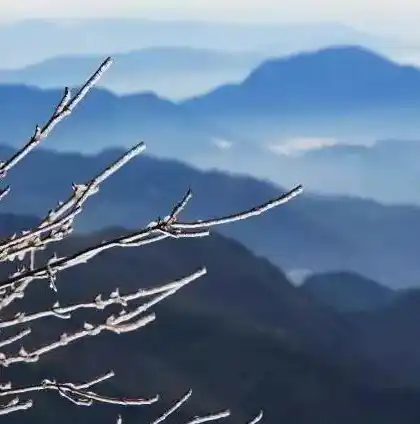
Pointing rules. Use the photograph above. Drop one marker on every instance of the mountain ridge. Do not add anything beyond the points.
(341, 92)
(335, 72)
(175, 72)
(249, 303)
(319, 233)
(347, 292)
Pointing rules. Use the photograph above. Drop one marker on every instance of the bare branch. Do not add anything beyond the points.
(63, 109)
(14, 338)
(213, 417)
(54, 220)
(4, 192)
(146, 236)
(255, 211)
(174, 408)
(15, 405)
(258, 418)
(76, 393)
(58, 224)
(66, 339)
(125, 322)
(64, 312)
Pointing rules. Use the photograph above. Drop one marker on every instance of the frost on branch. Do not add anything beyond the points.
(136, 307)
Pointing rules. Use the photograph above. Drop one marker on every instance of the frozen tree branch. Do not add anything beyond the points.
(75, 393)
(156, 231)
(15, 338)
(196, 420)
(62, 110)
(54, 227)
(64, 312)
(18, 246)
(125, 322)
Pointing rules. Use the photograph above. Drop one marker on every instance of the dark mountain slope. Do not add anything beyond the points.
(296, 358)
(347, 292)
(389, 335)
(313, 233)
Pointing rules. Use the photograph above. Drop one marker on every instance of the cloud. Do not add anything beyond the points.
(300, 145)
(222, 143)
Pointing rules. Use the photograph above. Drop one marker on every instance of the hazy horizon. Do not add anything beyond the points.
(394, 17)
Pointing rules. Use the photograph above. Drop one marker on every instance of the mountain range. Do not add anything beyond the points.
(342, 347)
(338, 119)
(188, 132)
(313, 233)
(386, 170)
(384, 320)
(105, 119)
(299, 360)
(339, 92)
(172, 72)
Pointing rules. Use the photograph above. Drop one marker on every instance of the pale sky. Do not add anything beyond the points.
(390, 17)
(389, 12)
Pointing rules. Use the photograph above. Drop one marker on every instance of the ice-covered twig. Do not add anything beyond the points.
(65, 339)
(58, 224)
(15, 405)
(255, 211)
(142, 237)
(125, 322)
(211, 417)
(75, 393)
(115, 298)
(62, 110)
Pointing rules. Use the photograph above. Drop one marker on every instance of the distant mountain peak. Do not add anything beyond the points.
(346, 49)
(329, 58)
(337, 78)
